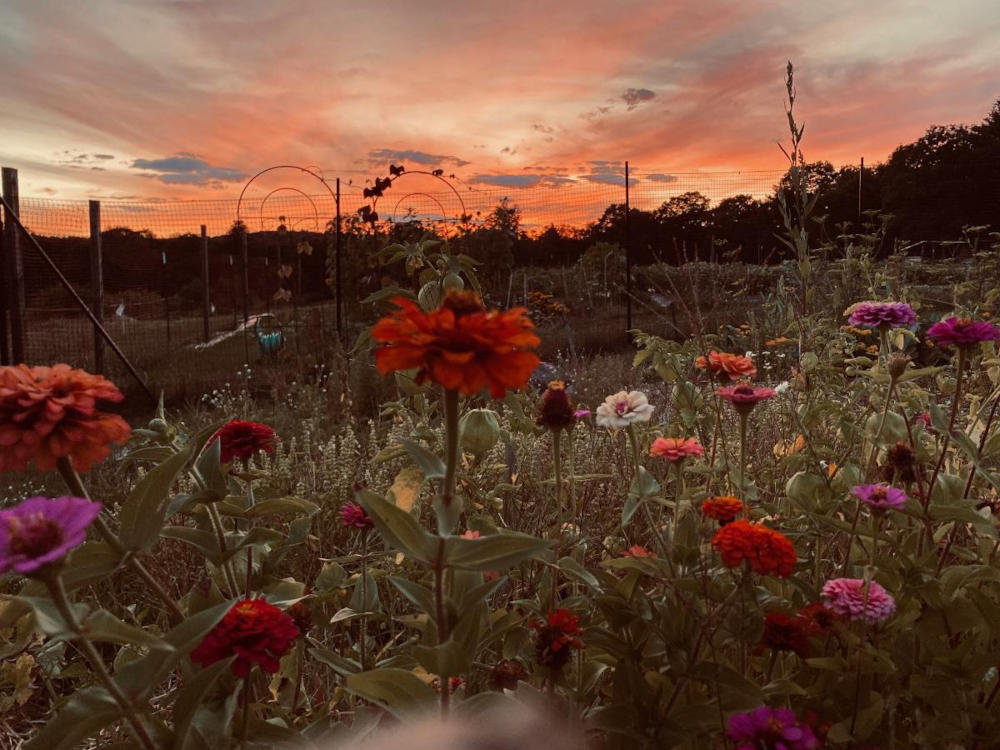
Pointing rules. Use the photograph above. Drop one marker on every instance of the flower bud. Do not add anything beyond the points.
(897, 365)
(480, 431)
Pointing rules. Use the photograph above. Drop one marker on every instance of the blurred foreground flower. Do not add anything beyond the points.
(623, 409)
(41, 531)
(460, 346)
(239, 439)
(48, 413)
(853, 599)
(767, 728)
(253, 631)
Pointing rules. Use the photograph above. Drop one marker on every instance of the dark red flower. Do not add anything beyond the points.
(301, 614)
(556, 411)
(556, 638)
(506, 674)
(352, 514)
(240, 439)
(253, 631)
(784, 632)
(823, 620)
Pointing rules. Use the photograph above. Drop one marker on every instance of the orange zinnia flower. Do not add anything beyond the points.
(461, 345)
(723, 508)
(676, 449)
(48, 413)
(768, 552)
(735, 366)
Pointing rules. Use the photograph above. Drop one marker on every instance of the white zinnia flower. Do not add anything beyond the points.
(622, 409)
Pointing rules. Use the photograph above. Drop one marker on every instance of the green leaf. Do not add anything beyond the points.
(281, 505)
(444, 660)
(82, 716)
(419, 595)
(209, 468)
(398, 528)
(430, 464)
(103, 626)
(144, 511)
(398, 691)
(494, 552)
(190, 698)
(642, 487)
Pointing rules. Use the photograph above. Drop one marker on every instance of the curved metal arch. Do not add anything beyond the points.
(294, 190)
(429, 174)
(425, 195)
(304, 170)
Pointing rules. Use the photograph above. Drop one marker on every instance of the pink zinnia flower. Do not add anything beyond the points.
(41, 531)
(354, 515)
(745, 396)
(962, 332)
(767, 727)
(871, 314)
(676, 449)
(880, 496)
(852, 598)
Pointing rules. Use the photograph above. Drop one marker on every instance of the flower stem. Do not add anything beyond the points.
(363, 640)
(960, 366)
(743, 463)
(634, 443)
(442, 622)
(220, 534)
(449, 515)
(75, 485)
(58, 592)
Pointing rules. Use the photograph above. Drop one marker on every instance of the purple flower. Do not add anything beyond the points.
(880, 496)
(873, 314)
(768, 728)
(962, 332)
(853, 599)
(581, 413)
(40, 531)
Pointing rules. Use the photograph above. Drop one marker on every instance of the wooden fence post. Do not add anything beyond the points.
(13, 267)
(206, 294)
(97, 283)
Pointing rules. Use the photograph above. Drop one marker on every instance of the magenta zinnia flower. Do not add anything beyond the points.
(354, 515)
(770, 728)
(873, 314)
(41, 531)
(962, 332)
(880, 496)
(745, 396)
(853, 599)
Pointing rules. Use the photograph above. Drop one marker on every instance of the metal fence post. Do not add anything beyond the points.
(13, 267)
(206, 297)
(97, 283)
(340, 294)
(628, 258)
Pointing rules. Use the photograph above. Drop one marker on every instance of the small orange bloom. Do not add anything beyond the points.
(723, 508)
(768, 552)
(637, 550)
(676, 449)
(461, 345)
(48, 413)
(735, 366)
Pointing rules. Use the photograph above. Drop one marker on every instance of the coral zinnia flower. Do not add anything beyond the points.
(886, 315)
(768, 552)
(40, 531)
(624, 408)
(556, 637)
(48, 413)
(556, 410)
(676, 449)
(962, 332)
(744, 396)
(240, 439)
(461, 345)
(352, 514)
(637, 550)
(252, 630)
(723, 509)
(853, 599)
(736, 366)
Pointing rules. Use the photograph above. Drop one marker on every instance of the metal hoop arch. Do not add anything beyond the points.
(304, 170)
(392, 181)
(395, 208)
(295, 190)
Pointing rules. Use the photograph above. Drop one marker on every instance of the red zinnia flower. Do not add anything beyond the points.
(821, 618)
(461, 345)
(352, 514)
(48, 413)
(676, 449)
(736, 366)
(723, 508)
(556, 637)
(744, 396)
(768, 552)
(255, 632)
(784, 632)
(240, 439)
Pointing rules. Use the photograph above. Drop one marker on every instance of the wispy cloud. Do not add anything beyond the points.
(187, 169)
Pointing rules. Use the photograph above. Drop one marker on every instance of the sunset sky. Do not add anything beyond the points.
(185, 99)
